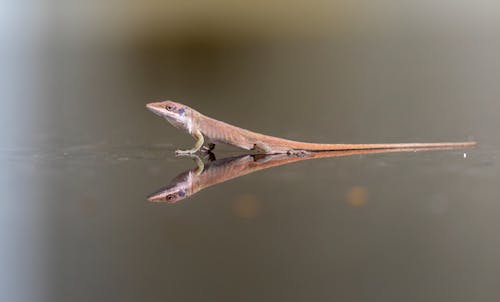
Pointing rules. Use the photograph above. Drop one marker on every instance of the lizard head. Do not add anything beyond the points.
(175, 113)
(179, 188)
(169, 195)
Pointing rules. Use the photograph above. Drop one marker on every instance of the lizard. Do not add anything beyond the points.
(202, 176)
(200, 126)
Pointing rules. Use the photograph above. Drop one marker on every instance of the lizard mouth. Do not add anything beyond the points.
(151, 107)
(160, 111)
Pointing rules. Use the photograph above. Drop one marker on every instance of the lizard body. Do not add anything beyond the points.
(200, 126)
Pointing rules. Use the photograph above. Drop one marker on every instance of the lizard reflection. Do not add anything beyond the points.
(203, 175)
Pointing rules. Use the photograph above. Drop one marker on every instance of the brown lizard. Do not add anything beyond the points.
(201, 126)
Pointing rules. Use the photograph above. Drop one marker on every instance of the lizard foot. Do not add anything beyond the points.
(208, 148)
(211, 157)
(184, 152)
(298, 153)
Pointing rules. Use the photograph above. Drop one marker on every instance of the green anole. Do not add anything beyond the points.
(200, 126)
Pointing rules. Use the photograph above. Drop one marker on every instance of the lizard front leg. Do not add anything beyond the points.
(199, 142)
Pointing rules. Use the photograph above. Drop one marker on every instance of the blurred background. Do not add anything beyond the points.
(79, 152)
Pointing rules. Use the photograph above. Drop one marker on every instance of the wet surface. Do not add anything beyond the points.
(421, 222)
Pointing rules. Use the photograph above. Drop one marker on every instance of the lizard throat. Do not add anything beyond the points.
(183, 123)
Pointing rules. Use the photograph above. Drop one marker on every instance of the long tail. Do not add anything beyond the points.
(334, 147)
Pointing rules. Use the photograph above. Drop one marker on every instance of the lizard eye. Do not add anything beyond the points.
(169, 107)
(170, 197)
